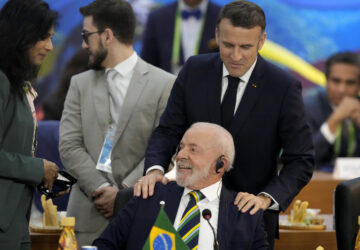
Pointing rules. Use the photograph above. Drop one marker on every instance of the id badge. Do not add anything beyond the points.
(104, 162)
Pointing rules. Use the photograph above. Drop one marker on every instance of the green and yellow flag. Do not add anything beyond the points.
(163, 235)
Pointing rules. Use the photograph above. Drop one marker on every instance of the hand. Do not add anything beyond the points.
(348, 108)
(104, 198)
(51, 171)
(63, 193)
(245, 201)
(146, 184)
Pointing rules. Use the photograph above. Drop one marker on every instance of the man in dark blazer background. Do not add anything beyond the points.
(179, 30)
(332, 109)
(266, 117)
(206, 152)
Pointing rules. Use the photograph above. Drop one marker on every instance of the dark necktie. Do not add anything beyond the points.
(228, 103)
(185, 14)
(190, 222)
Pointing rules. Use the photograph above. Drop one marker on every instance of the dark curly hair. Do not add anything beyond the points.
(22, 24)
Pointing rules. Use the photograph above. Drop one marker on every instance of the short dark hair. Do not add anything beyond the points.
(22, 25)
(243, 14)
(116, 15)
(342, 57)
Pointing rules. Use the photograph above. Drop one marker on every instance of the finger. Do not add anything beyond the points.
(244, 200)
(164, 180)
(137, 190)
(255, 209)
(144, 190)
(249, 204)
(238, 198)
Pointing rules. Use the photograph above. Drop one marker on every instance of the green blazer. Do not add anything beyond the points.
(19, 171)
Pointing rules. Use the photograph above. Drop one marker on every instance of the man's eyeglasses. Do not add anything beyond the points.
(85, 35)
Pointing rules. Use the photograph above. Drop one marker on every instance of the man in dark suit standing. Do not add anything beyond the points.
(334, 112)
(179, 30)
(205, 153)
(259, 104)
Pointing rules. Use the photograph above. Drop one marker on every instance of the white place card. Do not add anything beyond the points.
(347, 168)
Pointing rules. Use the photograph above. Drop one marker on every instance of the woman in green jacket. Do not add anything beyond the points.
(26, 29)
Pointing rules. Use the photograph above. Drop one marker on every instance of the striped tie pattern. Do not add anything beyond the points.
(190, 221)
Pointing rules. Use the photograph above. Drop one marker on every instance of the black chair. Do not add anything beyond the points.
(347, 210)
(47, 137)
(122, 197)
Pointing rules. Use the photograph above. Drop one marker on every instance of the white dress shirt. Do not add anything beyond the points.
(191, 28)
(211, 202)
(122, 79)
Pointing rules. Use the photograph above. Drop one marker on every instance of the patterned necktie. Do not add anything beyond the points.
(190, 221)
(228, 103)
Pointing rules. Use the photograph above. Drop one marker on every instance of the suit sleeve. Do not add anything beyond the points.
(298, 153)
(73, 153)
(117, 232)
(14, 165)
(172, 126)
(150, 51)
(323, 149)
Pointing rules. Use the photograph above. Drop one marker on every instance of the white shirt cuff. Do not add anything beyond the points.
(155, 167)
(275, 206)
(325, 130)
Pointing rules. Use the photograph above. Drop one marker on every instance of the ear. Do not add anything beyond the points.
(226, 162)
(262, 40)
(217, 37)
(109, 36)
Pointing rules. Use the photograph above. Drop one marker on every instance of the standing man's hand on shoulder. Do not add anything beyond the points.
(104, 198)
(51, 171)
(245, 201)
(146, 184)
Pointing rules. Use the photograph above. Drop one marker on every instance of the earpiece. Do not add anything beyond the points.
(219, 164)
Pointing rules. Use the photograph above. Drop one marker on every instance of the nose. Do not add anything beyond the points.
(49, 45)
(181, 154)
(84, 45)
(236, 54)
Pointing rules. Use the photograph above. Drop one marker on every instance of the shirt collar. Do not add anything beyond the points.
(202, 6)
(126, 66)
(245, 77)
(211, 192)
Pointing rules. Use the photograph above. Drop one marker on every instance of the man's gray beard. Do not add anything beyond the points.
(99, 57)
(195, 177)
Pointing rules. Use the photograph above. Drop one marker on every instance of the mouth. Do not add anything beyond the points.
(183, 165)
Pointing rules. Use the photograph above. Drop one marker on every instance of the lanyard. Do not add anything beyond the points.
(351, 143)
(177, 37)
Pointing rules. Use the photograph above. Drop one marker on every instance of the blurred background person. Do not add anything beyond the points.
(333, 112)
(179, 30)
(54, 104)
(26, 29)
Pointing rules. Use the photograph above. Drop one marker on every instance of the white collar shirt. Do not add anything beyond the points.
(121, 81)
(211, 201)
(191, 28)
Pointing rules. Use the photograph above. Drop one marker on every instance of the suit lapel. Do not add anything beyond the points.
(213, 84)
(250, 97)
(173, 201)
(135, 89)
(101, 97)
(225, 218)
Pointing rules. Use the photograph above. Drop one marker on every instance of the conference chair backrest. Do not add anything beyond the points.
(347, 210)
(47, 147)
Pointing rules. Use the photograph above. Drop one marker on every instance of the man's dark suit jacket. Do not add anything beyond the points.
(159, 35)
(131, 227)
(318, 110)
(270, 118)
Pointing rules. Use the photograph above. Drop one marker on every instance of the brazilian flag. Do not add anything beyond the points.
(163, 235)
